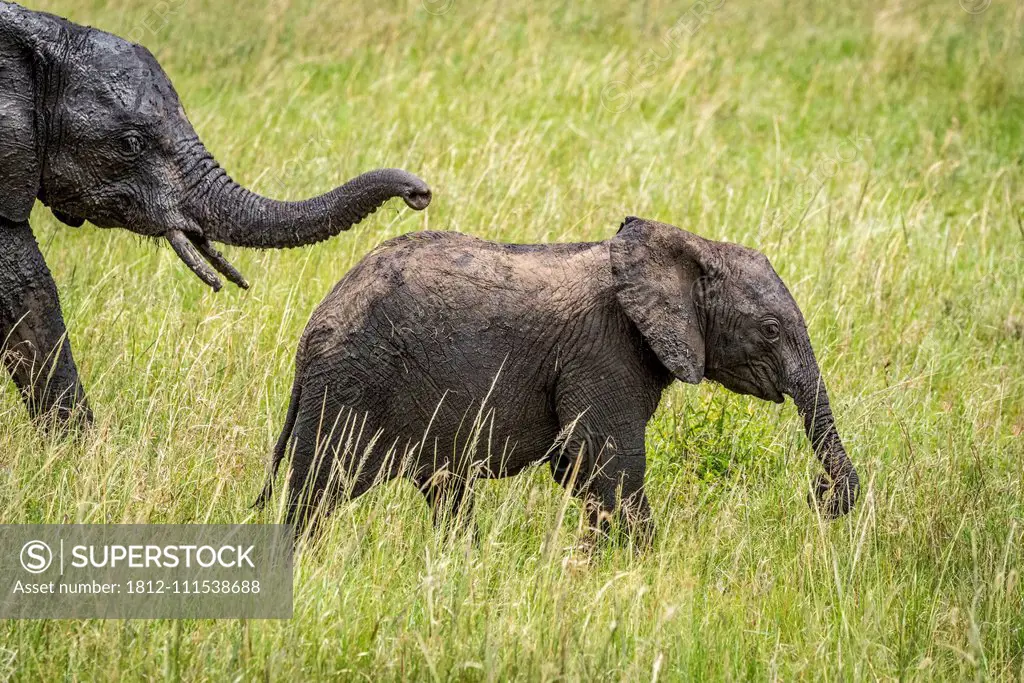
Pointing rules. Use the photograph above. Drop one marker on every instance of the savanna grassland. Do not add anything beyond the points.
(873, 150)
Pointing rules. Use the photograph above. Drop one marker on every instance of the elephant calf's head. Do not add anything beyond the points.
(720, 311)
(91, 125)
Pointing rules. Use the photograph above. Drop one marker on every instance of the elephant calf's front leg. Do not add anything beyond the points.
(609, 477)
(33, 339)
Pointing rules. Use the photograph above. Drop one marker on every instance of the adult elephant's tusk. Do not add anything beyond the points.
(217, 260)
(187, 252)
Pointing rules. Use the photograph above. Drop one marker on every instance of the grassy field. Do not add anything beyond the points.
(872, 150)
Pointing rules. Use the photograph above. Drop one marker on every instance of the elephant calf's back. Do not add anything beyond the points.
(448, 336)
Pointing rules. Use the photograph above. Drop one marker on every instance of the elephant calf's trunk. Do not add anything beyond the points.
(836, 490)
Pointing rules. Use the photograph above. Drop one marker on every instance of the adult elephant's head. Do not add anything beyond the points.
(91, 125)
(719, 311)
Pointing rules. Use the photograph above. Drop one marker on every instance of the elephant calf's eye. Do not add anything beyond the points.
(770, 329)
(131, 144)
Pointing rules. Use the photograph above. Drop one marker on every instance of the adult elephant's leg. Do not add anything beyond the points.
(33, 338)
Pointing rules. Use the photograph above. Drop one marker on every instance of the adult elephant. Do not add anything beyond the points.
(92, 127)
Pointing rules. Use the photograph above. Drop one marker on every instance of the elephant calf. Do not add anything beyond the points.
(441, 357)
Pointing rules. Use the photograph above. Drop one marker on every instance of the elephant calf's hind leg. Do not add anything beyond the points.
(33, 339)
(329, 464)
(450, 499)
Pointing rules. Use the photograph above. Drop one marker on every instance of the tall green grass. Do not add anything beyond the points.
(872, 150)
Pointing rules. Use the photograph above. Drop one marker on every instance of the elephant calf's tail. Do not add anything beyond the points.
(282, 445)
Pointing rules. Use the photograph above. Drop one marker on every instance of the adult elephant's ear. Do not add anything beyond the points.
(20, 167)
(661, 276)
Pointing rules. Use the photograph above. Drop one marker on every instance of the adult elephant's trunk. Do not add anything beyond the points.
(217, 209)
(231, 214)
(836, 490)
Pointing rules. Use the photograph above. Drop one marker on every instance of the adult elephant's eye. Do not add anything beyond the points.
(770, 329)
(131, 144)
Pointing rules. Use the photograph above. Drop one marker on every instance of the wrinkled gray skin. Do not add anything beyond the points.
(91, 126)
(558, 352)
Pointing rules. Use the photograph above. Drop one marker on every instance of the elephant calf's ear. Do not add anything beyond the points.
(19, 153)
(656, 270)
